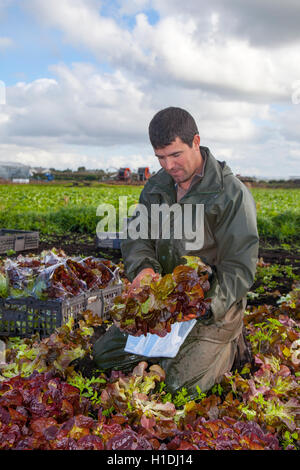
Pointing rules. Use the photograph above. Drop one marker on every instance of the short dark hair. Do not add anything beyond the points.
(170, 123)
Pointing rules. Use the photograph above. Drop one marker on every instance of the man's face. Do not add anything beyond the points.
(179, 160)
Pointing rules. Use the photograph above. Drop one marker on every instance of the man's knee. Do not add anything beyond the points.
(108, 348)
(200, 369)
(109, 352)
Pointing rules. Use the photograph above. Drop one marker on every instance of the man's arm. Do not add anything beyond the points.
(140, 254)
(237, 251)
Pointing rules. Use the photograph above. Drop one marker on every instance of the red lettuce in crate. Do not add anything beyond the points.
(54, 275)
(158, 303)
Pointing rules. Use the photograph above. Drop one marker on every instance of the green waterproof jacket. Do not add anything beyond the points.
(230, 243)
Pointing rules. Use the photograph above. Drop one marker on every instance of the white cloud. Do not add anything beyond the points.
(4, 4)
(5, 43)
(288, 123)
(132, 7)
(203, 57)
(82, 24)
(61, 156)
(263, 23)
(82, 106)
(224, 65)
(99, 120)
(176, 50)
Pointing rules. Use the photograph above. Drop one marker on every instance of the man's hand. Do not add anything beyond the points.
(136, 281)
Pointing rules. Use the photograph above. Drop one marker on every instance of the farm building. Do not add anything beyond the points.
(14, 170)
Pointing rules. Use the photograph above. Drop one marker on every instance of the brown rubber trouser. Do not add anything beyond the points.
(199, 362)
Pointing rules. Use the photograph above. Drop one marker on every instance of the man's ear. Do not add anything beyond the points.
(196, 141)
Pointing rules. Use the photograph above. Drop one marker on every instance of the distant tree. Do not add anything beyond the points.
(81, 168)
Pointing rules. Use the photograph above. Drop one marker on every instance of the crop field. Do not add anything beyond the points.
(53, 396)
(57, 209)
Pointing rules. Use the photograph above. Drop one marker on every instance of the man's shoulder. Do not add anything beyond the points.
(232, 182)
(160, 179)
(235, 192)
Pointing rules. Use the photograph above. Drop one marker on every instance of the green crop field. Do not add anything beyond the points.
(278, 213)
(57, 209)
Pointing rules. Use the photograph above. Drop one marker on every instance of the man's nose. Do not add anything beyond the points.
(169, 164)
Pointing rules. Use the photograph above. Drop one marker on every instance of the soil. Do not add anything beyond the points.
(78, 245)
(284, 284)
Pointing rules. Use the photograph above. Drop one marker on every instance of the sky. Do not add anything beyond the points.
(80, 81)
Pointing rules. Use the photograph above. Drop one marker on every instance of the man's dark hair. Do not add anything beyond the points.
(170, 123)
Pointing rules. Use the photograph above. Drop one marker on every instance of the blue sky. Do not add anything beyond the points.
(84, 78)
(34, 48)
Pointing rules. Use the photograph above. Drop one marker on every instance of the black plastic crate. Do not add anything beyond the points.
(27, 315)
(18, 240)
(112, 239)
(113, 243)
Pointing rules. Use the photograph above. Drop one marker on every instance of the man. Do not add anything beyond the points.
(191, 175)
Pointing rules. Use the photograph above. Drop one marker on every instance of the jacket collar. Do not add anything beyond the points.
(211, 182)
